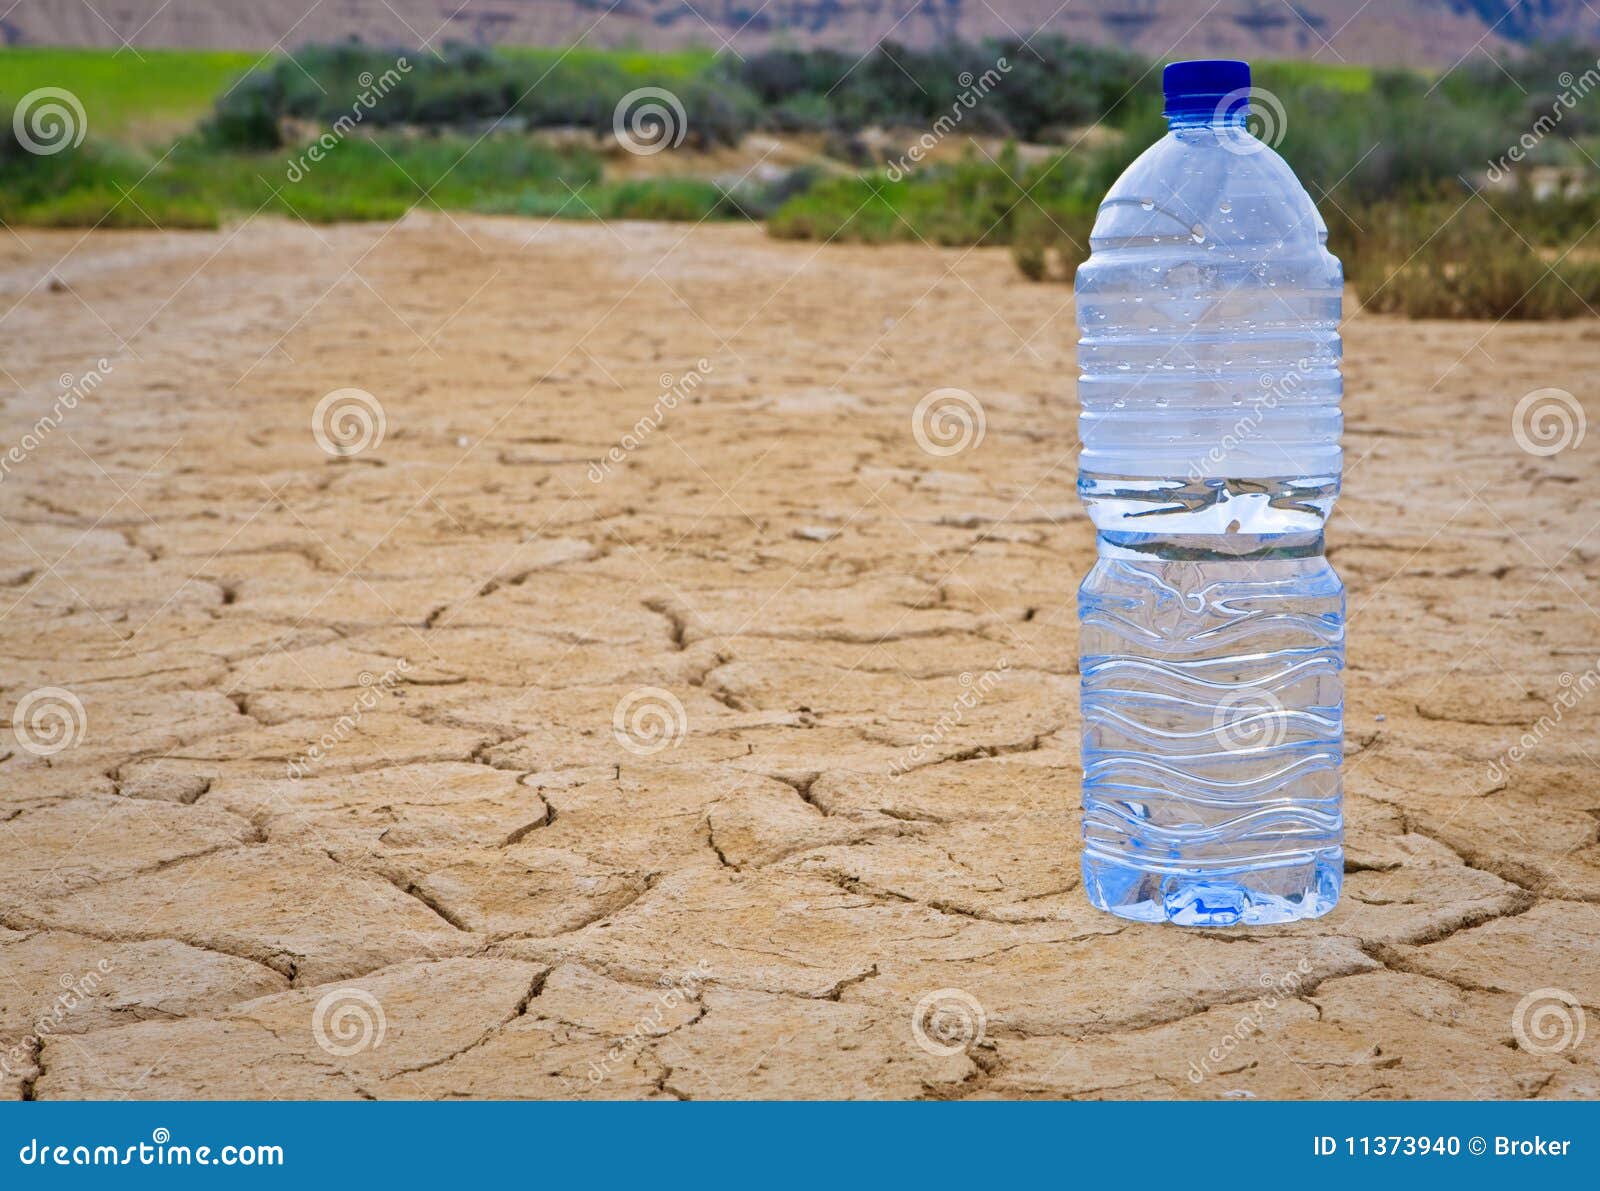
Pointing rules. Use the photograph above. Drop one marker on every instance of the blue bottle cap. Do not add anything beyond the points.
(1197, 88)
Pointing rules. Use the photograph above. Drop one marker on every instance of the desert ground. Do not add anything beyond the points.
(624, 695)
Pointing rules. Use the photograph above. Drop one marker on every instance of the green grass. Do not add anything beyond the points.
(198, 185)
(668, 199)
(1345, 77)
(646, 65)
(974, 201)
(123, 96)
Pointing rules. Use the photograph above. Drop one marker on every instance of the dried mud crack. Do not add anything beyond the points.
(327, 708)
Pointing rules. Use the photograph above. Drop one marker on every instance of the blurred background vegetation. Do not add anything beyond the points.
(816, 144)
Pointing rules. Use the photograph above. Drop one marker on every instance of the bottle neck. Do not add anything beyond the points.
(1208, 118)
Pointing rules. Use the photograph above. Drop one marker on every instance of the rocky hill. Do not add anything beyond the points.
(1416, 32)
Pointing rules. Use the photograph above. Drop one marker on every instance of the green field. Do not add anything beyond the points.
(1334, 76)
(642, 64)
(158, 93)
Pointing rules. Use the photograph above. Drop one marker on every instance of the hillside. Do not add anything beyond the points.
(1413, 32)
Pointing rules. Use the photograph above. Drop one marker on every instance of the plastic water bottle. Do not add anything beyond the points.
(1212, 627)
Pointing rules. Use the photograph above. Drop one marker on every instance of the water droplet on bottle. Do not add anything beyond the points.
(1224, 206)
(1198, 233)
(1148, 204)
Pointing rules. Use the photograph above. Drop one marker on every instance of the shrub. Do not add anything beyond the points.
(111, 208)
(762, 200)
(1433, 260)
(89, 185)
(1048, 82)
(686, 199)
(974, 201)
(1050, 246)
(467, 87)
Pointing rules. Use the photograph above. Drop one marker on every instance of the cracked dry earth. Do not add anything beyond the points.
(473, 889)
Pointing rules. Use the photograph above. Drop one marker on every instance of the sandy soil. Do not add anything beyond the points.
(457, 765)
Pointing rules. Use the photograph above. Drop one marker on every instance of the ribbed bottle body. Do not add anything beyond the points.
(1212, 628)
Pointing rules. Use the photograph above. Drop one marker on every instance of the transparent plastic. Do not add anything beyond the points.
(1212, 627)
